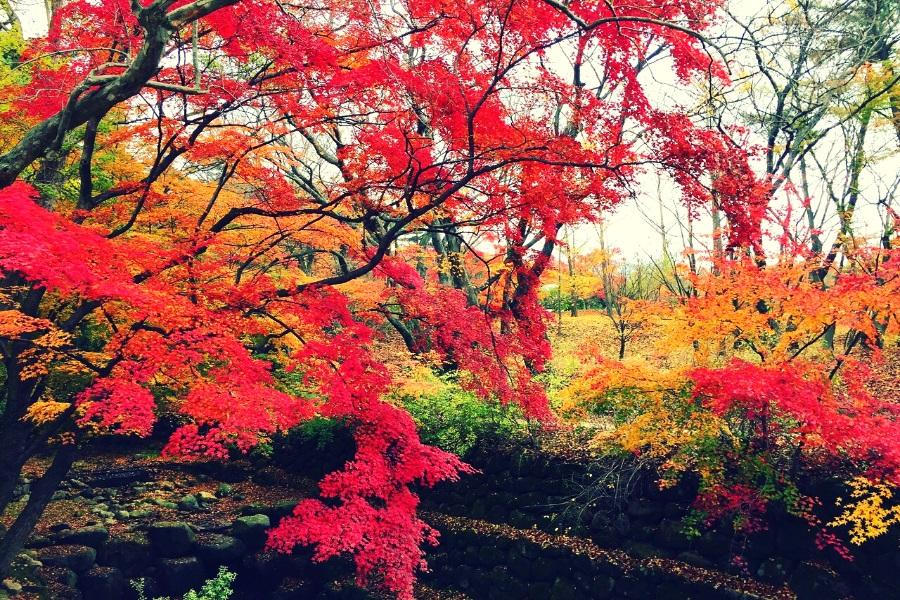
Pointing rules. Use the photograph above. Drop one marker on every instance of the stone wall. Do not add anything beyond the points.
(535, 491)
(171, 557)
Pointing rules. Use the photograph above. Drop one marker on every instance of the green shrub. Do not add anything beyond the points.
(456, 420)
(217, 588)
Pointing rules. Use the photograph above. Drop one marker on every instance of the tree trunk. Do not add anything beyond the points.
(41, 493)
(12, 459)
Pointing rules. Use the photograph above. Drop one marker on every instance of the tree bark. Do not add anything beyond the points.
(41, 494)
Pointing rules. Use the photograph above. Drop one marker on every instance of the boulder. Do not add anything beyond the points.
(179, 575)
(129, 553)
(102, 583)
(251, 529)
(563, 589)
(812, 581)
(713, 544)
(150, 588)
(773, 570)
(267, 569)
(671, 535)
(77, 558)
(206, 497)
(188, 503)
(692, 558)
(61, 575)
(217, 549)
(645, 510)
(119, 477)
(490, 556)
(92, 536)
(171, 538)
(12, 585)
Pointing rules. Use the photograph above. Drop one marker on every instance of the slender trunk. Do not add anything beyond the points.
(815, 238)
(718, 250)
(894, 97)
(41, 493)
(692, 259)
(573, 294)
(845, 213)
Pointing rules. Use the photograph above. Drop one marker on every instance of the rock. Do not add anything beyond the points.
(224, 490)
(230, 471)
(490, 556)
(544, 569)
(599, 522)
(178, 575)
(251, 529)
(149, 585)
(61, 575)
(207, 497)
(217, 549)
(811, 581)
(39, 541)
(12, 585)
(564, 589)
(165, 485)
(129, 553)
(60, 495)
(120, 477)
(57, 527)
(772, 570)
(642, 550)
(188, 503)
(163, 503)
(692, 558)
(621, 524)
(25, 560)
(171, 538)
(713, 544)
(77, 558)
(670, 535)
(102, 583)
(268, 568)
(92, 536)
(281, 510)
(793, 540)
(292, 588)
(645, 510)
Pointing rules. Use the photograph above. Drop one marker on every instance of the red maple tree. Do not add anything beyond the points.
(206, 198)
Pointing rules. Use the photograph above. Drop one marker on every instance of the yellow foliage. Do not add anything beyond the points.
(14, 323)
(866, 512)
(662, 424)
(45, 411)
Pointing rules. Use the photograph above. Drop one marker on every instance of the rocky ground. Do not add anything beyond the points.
(117, 520)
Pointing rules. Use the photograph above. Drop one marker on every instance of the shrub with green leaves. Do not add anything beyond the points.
(219, 587)
(455, 420)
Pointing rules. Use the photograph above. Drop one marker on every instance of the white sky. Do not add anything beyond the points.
(32, 15)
